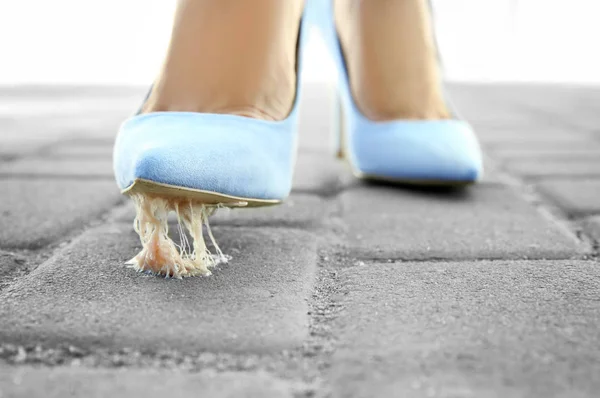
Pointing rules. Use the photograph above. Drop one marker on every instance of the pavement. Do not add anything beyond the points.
(348, 289)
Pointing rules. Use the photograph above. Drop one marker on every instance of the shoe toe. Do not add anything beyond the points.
(229, 155)
(444, 151)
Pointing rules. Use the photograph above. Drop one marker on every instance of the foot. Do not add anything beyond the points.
(230, 57)
(391, 58)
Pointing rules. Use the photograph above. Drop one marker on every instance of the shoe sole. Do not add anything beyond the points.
(142, 186)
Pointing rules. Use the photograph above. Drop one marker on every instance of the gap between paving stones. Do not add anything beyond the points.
(531, 193)
(21, 262)
(548, 208)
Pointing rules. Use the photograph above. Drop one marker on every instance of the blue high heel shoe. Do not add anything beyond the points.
(212, 158)
(428, 152)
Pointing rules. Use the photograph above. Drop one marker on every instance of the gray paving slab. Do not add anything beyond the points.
(81, 150)
(571, 105)
(592, 227)
(469, 329)
(28, 129)
(519, 138)
(59, 167)
(12, 148)
(11, 266)
(540, 168)
(85, 296)
(28, 133)
(320, 173)
(485, 221)
(91, 125)
(481, 107)
(491, 171)
(298, 211)
(537, 146)
(576, 197)
(580, 150)
(30, 382)
(34, 213)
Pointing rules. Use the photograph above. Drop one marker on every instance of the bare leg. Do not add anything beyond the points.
(230, 56)
(226, 56)
(391, 57)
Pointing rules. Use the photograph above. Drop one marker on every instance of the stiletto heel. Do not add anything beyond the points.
(427, 152)
(339, 137)
(192, 164)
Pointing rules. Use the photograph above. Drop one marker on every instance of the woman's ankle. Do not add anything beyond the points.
(230, 56)
(391, 57)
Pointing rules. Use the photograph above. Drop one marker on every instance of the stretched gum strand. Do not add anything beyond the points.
(159, 254)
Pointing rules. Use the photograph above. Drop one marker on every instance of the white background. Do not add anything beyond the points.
(123, 41)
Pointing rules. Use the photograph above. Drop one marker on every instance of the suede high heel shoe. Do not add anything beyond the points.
(428, 152)
(215, 158)
(193, 163)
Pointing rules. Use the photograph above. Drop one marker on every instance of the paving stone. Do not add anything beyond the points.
(81, 150)
(29, 382)
(485, 221)
(27, 130)
(9, 261)
(592, 227)
(525, 139)
(320, 173)
(470, 329)
(538, 168)
(507, 123)
(92, 125)
(88, 168)
(27, 134)
(578, 150)
(11, 266)
(480, 106)
(34, 213)
(85, 296)
(12, 148)
(574, 106)
(537, 146)
(491, 171)
(575, 197)
(569, 105)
